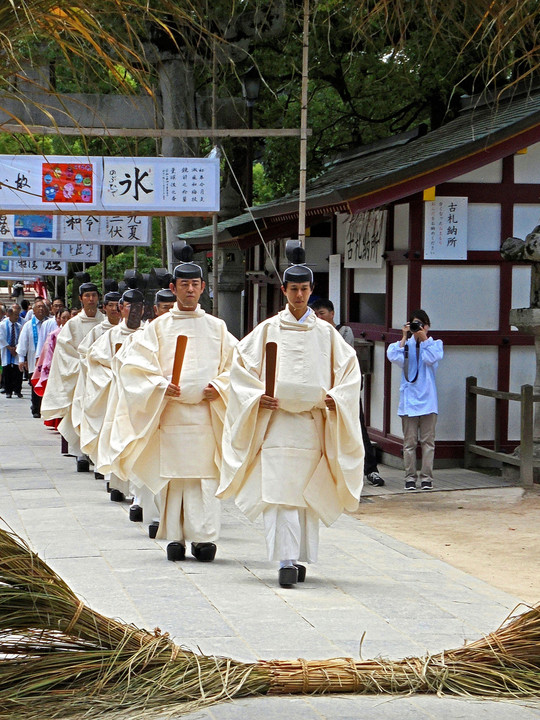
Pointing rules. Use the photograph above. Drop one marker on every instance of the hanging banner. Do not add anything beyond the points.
(445, 229)
(23, 268)
(70, 252)
(28, 227)
(64, 184)
(365, 237)
(88, 229)
(105, 229)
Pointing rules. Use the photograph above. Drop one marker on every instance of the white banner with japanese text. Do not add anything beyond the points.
(24, 268)
(105, 229)
(87, 229)
(445, 229)
(364, 238)
(64, 184)
(70, 252)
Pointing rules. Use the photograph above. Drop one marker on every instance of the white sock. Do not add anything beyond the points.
(286, 563)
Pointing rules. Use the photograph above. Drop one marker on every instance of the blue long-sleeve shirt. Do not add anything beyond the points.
(419, 397)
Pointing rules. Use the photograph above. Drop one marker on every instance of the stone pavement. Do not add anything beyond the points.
(366, 584)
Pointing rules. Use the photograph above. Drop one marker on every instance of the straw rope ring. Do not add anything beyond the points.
(355, 675)
(305, 675)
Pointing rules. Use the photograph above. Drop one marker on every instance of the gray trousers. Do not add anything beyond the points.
(419, 429)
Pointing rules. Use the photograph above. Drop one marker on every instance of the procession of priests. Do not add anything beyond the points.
(176, 415)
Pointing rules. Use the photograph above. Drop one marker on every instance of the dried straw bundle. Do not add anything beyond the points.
(62, 659)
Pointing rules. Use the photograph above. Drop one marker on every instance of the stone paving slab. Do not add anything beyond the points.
(368, 593)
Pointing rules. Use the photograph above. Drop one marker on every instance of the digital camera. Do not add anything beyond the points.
(415, 326)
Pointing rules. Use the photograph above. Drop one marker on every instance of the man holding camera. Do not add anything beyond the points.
(418, 355)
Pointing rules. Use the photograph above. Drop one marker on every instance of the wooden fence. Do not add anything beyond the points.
(525, 459)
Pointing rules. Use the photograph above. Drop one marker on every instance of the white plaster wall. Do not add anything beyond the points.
(458, 363)
(522, 372)
(401, 226)
(483, 226)
(395, 420)
(399, 295)
(457, 297)
(527, 167)
(521, 286)
(370, 280)
(526, 218)
(491, 173)
(377, 387)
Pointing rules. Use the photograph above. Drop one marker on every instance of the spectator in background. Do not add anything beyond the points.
(24, 310)
(418, 355)
(324, 309)
(10, 330)
(27, 347)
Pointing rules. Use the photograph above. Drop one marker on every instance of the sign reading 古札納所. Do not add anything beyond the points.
(63, 184)
(363, 236)
(445, 228)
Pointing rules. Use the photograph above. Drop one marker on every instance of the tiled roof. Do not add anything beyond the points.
(480, 127)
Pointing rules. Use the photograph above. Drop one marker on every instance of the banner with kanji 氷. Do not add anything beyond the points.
(126, 185)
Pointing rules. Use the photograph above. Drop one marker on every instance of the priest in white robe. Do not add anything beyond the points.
(58, 397)
(111, 319)
(164, 300)
(99, 376)
(167, 436)
(145, 503)
(295, 457)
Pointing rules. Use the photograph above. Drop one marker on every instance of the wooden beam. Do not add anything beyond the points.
(151, 132)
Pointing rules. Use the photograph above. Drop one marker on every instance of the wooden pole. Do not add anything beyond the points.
(526, 469)
(470, 419)
(303, 129)
(215, 245)
(270, 375)
(151, 132)
(103, 267)
(181, 342)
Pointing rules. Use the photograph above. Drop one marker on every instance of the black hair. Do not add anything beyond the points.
(322, 303)
(421, 315)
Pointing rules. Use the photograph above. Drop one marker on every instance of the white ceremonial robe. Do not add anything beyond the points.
(99, 375)
(80, 388)
(142, 495)
(172, 444)
(58, 396)
(302, 456)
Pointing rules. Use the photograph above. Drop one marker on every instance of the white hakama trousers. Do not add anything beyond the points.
(292, 533)
(189, 511)
(116, 483)
(143, 496)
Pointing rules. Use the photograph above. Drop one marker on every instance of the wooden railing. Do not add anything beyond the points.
(525, 459)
